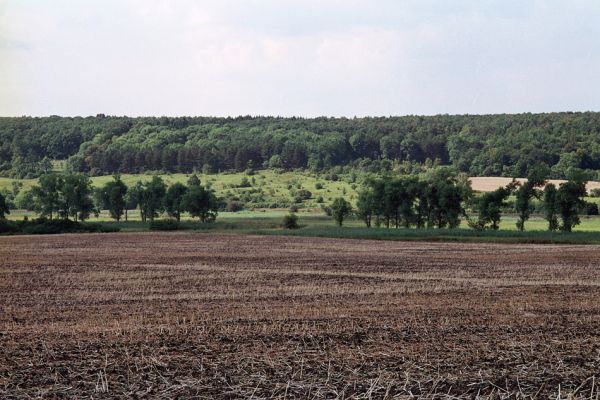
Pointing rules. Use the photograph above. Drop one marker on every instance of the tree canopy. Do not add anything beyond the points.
(479, 145)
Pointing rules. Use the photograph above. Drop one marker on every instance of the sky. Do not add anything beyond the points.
(298, 57)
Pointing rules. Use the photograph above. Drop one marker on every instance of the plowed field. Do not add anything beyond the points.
(229, 316)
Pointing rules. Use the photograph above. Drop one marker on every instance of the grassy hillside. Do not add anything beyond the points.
(269, 188)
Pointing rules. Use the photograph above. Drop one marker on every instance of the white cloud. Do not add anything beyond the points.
(292, 57)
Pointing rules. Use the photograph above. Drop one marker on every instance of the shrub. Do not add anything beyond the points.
(293, 208)
(45, 226)
(318, 186)
(7, 226)
(244, 183)
(301, 195)
(591, 208)
(326, 210)
(234, 206)
(290, 221)
(164, 225)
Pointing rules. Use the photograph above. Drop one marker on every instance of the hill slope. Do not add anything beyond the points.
(487, 145)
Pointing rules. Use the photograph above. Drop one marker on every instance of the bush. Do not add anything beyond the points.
(245, 183)
(595, 192)
(591, 208)
(301, 195)
(293, 208)
(326, 210)
(234, 206)
(164, 225)
(44, 226)
(7, 226)
(318, 186)
(290, 221)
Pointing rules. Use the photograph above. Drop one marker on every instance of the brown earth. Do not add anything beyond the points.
(222, 316)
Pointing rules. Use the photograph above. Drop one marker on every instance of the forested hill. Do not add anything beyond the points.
(504, 145)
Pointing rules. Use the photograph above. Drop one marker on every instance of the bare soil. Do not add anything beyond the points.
(184, 315)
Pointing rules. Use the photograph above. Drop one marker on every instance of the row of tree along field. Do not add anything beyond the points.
(440, 199)
(487, 145)
(70, 196)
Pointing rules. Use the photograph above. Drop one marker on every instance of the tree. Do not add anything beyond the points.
(131, 199)
(365, 206)
(490, 206)
(47, 194)
(151, 198)
(3, 207)
(174, 204)
(193, 180)
(200, 203)
(75, 200)
(340, 209)
(290, 221)
(113, 197)
(25, 200)
(569, 201)
(550, 206)
(526, 192)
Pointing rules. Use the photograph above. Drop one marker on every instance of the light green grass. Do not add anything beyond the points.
(273, 184)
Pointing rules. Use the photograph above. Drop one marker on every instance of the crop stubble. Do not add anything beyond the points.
(231, 316)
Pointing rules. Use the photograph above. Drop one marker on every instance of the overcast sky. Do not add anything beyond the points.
(298, 57)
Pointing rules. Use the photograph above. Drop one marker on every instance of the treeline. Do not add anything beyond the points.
(71, 197)
(441, 198)
(487, 145)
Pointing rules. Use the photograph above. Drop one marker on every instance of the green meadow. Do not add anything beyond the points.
(279, 187)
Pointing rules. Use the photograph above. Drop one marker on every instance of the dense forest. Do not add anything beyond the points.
(486, 145)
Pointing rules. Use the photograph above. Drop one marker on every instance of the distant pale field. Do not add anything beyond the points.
(490, 183)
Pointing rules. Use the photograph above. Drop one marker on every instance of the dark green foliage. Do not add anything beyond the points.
(492, 145)
(233, 206)
(489, 207)
(75, 200)
(174, 200)
(3, 207)
(201, 203)
(590, 208)
(434, 201)
(302, 195)
(290, 221)
(47, 195)
(25, 200)
(245, 183)
(65, 195)
(164, 225)
(46, 226)
(7, 227)
(595, 192)
(112, 196)
(526, 192)
(151, 198)
(340, 210)
(193, 180)
(365, 206)
(132, 197)
(550, 206)
(569, 201)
